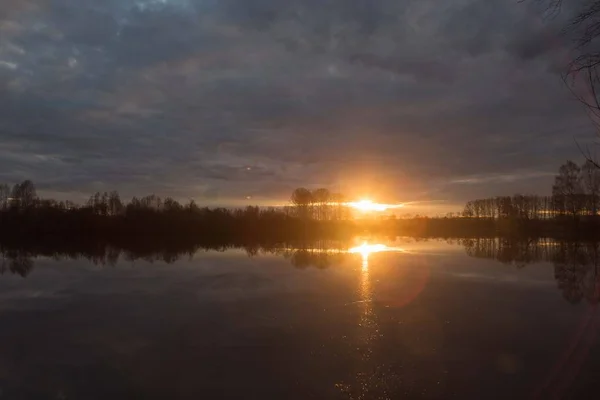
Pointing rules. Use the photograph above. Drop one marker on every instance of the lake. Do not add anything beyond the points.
(368, 319)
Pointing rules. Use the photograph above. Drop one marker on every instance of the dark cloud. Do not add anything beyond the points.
(421, 69)
(220, 100)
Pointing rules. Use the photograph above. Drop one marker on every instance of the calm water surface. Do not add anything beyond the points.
(376, 320)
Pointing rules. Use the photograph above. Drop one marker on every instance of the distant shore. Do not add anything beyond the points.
(206, 226)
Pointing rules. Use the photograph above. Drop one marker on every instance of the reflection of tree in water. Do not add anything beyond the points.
(576, 271)
(17, 262)
(575, 263)
(252, 249)
(303, 259)
(321, 255)
(112, 255)
(507, 251)
(19, 258)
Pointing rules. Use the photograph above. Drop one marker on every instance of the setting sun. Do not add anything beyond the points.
(366, 205)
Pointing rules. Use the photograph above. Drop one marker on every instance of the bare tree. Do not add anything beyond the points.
(24, 194)
(567, 188)
(302, 198)
(585, 27)
(590, 176)
(171, 205)
(337, 200)
(322, 197)
(582, 74)
(152, 201)
(115, 206)
(4, 195)
(468, 212)
(95, 203)
(104, 209)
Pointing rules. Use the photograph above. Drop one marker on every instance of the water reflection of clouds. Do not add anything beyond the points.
(208, 278)
(508, 278)
(395, 335)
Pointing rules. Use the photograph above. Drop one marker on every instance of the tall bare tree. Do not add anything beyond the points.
(585, 28)
(302, 198)
(24, 194)
(582, 74)
(115, 206)
(337, 200)
(567, 188)
(322, 197)
(590, 176)
(4, 195)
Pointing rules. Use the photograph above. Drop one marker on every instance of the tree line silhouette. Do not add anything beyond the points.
(320, 204)
(575, 194)
(23, 214)
(573, 205)
(105, 217)
(571, 210)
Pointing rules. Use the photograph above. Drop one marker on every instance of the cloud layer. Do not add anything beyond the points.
(219, 100)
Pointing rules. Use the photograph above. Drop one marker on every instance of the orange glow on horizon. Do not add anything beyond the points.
(367, 205)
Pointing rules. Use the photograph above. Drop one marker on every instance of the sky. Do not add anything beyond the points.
(429, 102)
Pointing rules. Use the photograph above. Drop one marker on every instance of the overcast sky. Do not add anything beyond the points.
(399, 100)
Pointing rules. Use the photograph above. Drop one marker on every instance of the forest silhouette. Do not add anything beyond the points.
(570, 212)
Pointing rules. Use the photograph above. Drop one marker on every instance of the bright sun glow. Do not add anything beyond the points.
(370, 206)
(366, 249)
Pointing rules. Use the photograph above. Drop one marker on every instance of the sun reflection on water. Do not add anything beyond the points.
(366, 249)
(368, 325)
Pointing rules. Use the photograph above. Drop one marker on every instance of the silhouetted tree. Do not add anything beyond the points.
(152, 202)
(134, 204)
(95, 203)
(70, 205)
(192, 207)
(340, 210)
(302, 198)
(321, 198)
(171, 205)
(104, 206)
(115, 206)
(582, 72)
(567, 189)
(24, 194)
(4, 195)
(591, 185)
(469, 210)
